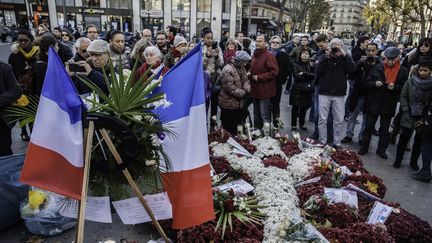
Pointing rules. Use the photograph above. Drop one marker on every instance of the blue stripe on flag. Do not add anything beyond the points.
(183, 86)
(59, 88)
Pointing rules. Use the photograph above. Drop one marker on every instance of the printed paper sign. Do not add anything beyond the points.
(131, 211)
(239, 187)
(97, 210)
(379, 214)
(310, 181)
(341, 196)
(362, 192)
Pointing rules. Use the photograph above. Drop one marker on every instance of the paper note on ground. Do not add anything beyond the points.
(236, 145)
(362, 192)
(239, 187)
(131, 211)
(310, 181)
(341, 196)
(97, 210)
(379, 214)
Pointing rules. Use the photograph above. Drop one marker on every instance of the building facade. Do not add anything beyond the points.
(347, 16)
(127, 15)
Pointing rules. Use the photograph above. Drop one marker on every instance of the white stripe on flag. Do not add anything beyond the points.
(53, 130)
(187, 148)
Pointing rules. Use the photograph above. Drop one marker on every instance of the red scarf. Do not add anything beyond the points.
(175, 52)
(391, 72)
(228, 55)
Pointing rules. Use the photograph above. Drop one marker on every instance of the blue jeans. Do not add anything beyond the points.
(261, 112)
(353, 119)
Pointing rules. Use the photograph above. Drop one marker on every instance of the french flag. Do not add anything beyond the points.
(54, 159)
(188, 183)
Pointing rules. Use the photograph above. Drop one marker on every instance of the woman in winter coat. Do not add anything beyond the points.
(416, 91)
(235, 87)
(67, 38)
(117, 49)
(137, 53)
(302, 89)
(176, 52)
(153, 61)
(423, 49)
(230, 50)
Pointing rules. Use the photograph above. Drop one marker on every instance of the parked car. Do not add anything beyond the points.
(8, 34)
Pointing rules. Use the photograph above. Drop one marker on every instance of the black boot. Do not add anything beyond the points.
(397, 164)
(413, 165)
(423, 176)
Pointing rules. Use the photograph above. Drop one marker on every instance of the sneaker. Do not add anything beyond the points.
(346, 140)
(362, 151)
(382, 155)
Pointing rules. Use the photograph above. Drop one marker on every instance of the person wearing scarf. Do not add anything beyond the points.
(175, 53)
(153, 61)
(23, 60)
(230, 50)
(383, 86)
(417, 90)
(283, 62)
(117, 49)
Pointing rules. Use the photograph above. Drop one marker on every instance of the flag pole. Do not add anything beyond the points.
(132, 183)
(83, 201)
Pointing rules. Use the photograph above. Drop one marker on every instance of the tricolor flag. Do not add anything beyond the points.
(189, 183)
(54, 159)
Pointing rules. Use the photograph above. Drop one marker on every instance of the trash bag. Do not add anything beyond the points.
(12, 192)
(41, 212)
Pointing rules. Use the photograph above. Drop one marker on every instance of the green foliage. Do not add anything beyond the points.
(24, 114)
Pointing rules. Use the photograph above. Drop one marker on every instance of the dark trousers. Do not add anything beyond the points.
(384, 134)
(6, 140)
(231, 118)
(299, 113)
(275, 103)
(404, 138)
(214, 101)
(396, 123)
(426, 151)
(289, 83)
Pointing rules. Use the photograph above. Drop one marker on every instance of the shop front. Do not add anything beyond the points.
(8, 15)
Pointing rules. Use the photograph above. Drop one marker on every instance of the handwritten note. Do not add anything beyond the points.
(131, 210)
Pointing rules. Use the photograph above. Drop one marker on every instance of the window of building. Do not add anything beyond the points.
(69, 3)
(119, 4)
(184, 24)
(152, 4)
(203, 5)
(225, 25)
(91, 3)
(180, 5)
(226, 6)
(201, 24)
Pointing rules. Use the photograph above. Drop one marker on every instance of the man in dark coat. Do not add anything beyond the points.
(294, 43)
(355, 102)
(384, 84)
(332, 71)
(10, 92)
(263, 73)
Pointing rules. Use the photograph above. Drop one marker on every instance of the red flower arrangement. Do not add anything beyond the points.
(220, 164)
(306, 191)
(339, 215)
(220, 135)
(275, 161)
(359, 232)
(369, 183)
(406, 227)
(247, 145)
(290, 148)
(349, 159)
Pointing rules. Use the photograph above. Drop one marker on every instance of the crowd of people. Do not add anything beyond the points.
(317, 71)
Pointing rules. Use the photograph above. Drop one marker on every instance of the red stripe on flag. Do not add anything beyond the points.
(47, 169)
(190, 193)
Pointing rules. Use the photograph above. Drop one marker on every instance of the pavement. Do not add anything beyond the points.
(415, 197)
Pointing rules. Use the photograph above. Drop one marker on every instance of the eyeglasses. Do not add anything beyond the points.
(275, 42)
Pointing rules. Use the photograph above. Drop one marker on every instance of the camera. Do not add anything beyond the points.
(74, 67)
(214, 45)
(334, 49)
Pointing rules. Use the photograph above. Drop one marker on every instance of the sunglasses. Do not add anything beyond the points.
(275, 42)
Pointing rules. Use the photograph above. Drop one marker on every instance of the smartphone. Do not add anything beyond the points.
(73, 67)
(214, 46)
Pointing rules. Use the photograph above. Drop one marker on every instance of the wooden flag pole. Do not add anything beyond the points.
(83, 202)
(132, 183)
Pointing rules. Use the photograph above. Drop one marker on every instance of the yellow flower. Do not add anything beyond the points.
(372, 186)
(36, 198)
(22, 101)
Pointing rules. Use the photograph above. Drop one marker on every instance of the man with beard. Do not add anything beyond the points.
(162, 42)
